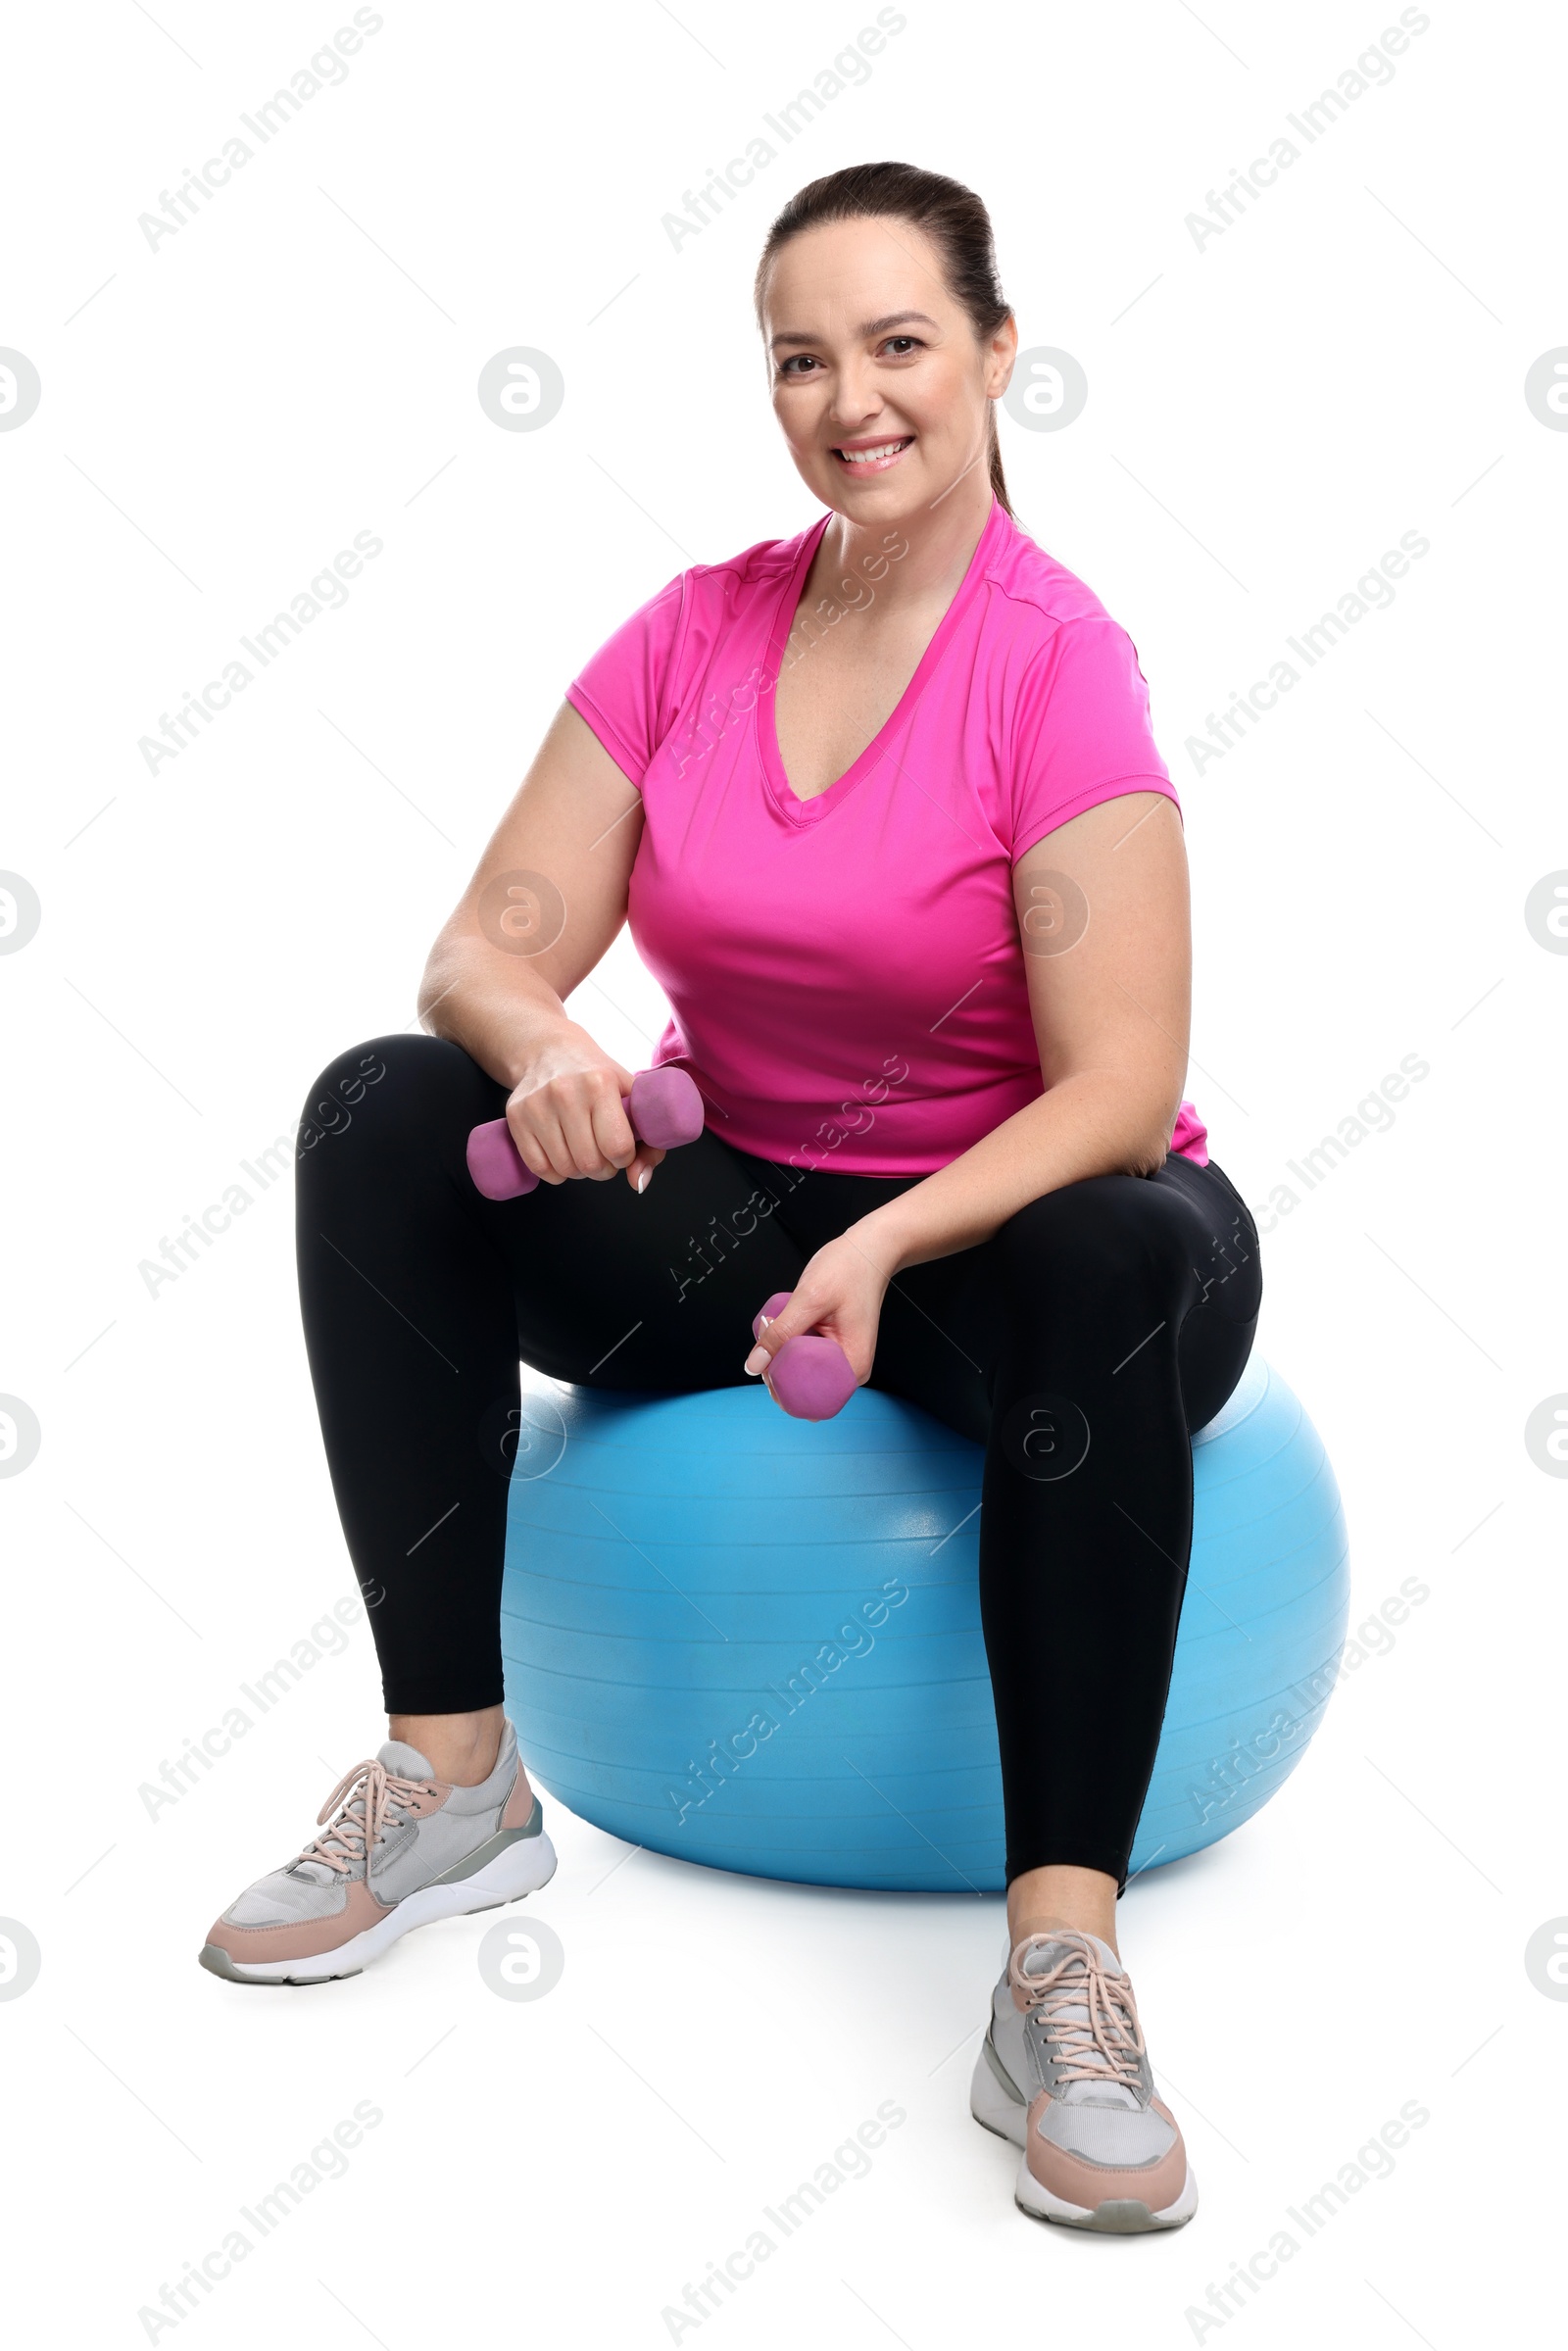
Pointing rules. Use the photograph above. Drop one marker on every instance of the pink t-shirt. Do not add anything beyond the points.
(844, 972)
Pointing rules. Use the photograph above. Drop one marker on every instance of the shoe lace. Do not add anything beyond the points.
(1105, 2042)
(370, 1798)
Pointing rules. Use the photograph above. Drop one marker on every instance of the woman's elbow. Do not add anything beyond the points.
(1149, 1136)
(437, 980)
(1149, 1157)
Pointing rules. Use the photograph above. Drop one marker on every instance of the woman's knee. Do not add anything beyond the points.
(1090, 1239)
(396, 1090)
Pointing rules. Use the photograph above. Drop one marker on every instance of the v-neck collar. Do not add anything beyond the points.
(810, 811)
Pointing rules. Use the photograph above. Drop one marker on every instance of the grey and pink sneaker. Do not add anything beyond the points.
(1063, 2072)
(403, 1848)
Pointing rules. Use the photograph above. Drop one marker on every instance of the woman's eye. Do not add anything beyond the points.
(800, 361)
(908, 341)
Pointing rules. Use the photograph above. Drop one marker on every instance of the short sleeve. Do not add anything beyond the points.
(625, 692)
(1081, 731)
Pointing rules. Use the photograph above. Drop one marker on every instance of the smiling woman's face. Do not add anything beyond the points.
(878, 379)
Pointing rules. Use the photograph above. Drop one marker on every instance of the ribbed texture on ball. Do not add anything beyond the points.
(682, 1570)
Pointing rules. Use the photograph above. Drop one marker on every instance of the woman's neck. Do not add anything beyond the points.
(938, 542)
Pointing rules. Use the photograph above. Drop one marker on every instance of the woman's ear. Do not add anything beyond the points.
(1003, 353)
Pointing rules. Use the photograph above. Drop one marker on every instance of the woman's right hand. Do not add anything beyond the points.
(567, 1115)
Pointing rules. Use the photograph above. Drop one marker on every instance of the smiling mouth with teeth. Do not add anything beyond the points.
(876, 458)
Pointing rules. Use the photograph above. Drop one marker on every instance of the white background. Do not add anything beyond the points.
(1267, 414)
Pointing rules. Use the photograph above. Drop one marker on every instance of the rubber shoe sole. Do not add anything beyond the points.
(1004, 2114)
(521, 1870)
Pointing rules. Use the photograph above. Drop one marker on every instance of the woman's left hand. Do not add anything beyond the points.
(839, 1294)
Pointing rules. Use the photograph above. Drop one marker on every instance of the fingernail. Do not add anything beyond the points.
(642, 1180)
(756, 1361)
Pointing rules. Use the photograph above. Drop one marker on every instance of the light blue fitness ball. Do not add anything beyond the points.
(755, 1641)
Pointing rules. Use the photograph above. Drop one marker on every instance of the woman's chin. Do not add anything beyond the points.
(882, 498)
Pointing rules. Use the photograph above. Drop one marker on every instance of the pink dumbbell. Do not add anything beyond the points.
(811, 1376)
(664, 1109)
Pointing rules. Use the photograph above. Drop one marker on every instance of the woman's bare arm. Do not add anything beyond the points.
(544, 904)
(1109, 958)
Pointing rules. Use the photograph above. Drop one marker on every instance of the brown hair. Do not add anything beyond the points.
(951, 215)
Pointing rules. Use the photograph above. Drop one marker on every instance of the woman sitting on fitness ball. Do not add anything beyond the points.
(883, 808)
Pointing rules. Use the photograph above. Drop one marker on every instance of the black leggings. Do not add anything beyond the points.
(1080, 1345)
